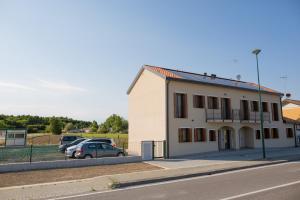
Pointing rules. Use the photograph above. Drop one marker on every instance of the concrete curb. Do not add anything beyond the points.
(18, 167)
(192, 175)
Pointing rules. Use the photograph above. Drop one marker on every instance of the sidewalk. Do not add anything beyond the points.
(102, 183)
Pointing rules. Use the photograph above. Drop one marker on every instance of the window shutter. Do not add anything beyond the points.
(190, 135)
(204, 134)
(175, 105)
(185, 109)
(195, 135)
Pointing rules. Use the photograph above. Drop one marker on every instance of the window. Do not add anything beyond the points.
(267, 133)
(254, 106)
(199, 135)
(20, 135)
(212, 135)
(289, 133)
(265, 106)
(107, 147)
(92, 146)
(275, 115)
(275, 134)
(180, 105)
(184, 135)
(199, 101)
(213, 102)
(258, 134)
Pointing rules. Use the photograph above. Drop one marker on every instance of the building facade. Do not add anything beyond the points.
(197, 113)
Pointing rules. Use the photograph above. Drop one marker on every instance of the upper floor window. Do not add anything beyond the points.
(199, 135)
(275, 115)
(265, 106)
(213, 102)
(289, 133)
(184, 135)
(198, 101)
(254, 106)
(180, 105)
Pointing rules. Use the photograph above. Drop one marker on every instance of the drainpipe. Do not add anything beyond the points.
(167, 148)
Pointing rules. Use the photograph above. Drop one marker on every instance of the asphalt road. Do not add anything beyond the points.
(271, 182)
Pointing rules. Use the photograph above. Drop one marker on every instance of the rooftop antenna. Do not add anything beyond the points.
(284, 78)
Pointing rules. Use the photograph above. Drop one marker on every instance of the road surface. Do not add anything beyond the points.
(270, 182)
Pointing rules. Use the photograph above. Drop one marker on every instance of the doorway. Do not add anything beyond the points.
(226, 138)
(226, 108)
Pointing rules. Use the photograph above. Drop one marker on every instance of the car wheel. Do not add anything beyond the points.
(88, 157)
(73, 155)
(120, 154)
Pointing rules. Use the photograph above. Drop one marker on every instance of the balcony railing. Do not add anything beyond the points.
(235, 115)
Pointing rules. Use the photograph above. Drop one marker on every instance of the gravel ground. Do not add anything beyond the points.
(53, 175)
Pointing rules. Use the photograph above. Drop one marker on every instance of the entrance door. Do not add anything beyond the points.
(224, 139)
(227, 139)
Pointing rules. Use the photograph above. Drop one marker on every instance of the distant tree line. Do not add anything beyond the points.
(37, 124)
(57, 125)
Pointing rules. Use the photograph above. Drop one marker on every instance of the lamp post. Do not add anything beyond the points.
(256, 52)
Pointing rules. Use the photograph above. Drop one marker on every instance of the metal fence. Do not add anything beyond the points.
(30, 153)
(42, 148)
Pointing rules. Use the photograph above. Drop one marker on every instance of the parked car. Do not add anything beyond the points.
(70, 151)
(66, 139)
(62, 148)
(96, 150)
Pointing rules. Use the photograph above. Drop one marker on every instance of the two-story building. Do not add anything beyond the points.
(196, 113)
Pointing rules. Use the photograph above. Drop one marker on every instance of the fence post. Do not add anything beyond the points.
(30, 158)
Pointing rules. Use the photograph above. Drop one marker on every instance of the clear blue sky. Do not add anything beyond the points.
(77, 58)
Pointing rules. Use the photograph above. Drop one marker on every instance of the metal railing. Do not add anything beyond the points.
(235, 115)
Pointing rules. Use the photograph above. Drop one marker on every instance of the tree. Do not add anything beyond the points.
(94, 126)
(69, 126)
(115, 124)
(102, 128)
(55, 126)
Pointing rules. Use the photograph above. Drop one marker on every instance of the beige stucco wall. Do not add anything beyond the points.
(197, 118)
(146, 111)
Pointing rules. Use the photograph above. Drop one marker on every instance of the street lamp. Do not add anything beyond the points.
(256, 52)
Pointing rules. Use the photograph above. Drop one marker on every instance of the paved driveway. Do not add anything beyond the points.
(215, 158)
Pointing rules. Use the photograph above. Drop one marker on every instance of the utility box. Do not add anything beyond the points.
(15, 137)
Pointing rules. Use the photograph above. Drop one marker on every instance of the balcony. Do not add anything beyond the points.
(235, 115)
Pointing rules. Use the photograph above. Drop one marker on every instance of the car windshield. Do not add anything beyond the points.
(69, 138)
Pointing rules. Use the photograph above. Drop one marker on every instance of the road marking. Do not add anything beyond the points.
(169, 182)
(262, 190)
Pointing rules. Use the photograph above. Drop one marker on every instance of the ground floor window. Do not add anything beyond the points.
(212, 135)
(199, 135)
(267, 133)
(258, 134)
(184, 135)
(289, 133)
(275, 133)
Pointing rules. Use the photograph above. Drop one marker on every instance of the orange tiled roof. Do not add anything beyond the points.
(162, 71)
(291, 113)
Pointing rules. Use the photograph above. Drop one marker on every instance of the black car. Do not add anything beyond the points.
(63, 147)
(66, 139)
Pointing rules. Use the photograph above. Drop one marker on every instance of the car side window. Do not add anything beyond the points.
(107, 147)
(99, 146)
(92, 146)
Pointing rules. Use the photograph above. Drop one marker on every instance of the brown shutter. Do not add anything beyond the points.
(204, 134)
(194, 101)
(175, 105)
(185, 109)
(195, 135)
(190, 135)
